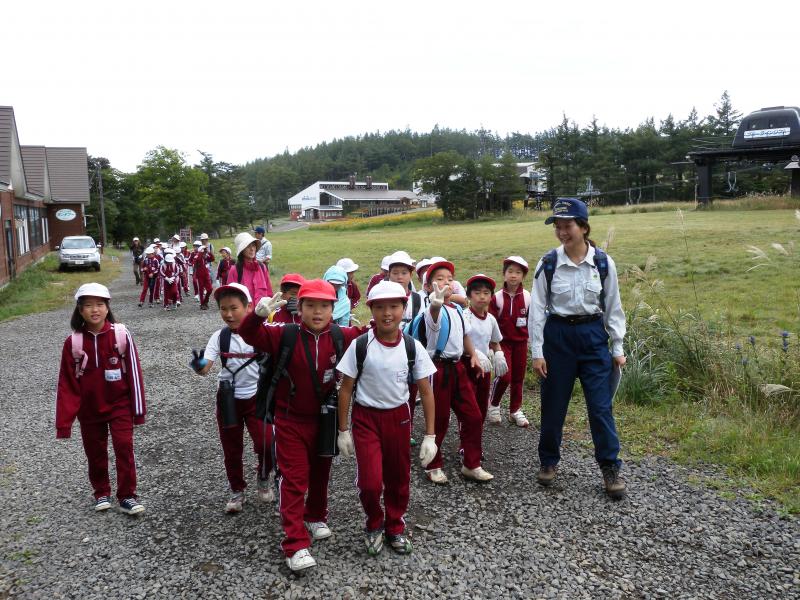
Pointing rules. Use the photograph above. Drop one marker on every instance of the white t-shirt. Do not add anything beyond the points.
(384, 378)
(247, 379)
(483, 330)
(454, 347)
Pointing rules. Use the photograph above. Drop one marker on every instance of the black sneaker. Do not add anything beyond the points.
(615, 485)
(102, 503)
(400, 543)
(130, 506)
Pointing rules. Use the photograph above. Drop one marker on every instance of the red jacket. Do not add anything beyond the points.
(513, 310)
(150, 267)
(375, 280)
(284, 316)
(200, 263)
(295, 394)
(223, 268)
(91, 397)
(353, 293)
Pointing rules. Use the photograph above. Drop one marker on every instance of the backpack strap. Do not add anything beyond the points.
(416, 304)
(225, 352)
(239, 273)
(548, 266)
(601, 264)
(78, 355)
(338, 341)
(121, 342)
(411, 355)
(499, 301)
(361, 353)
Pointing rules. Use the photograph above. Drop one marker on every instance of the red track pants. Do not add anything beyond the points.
(232, 440)
(517, 357)
(204, 287)
(171, 293)
(453, 389)
(148, 285)
(95, 444)
(300, 471)
(483, 388)
(381, 439)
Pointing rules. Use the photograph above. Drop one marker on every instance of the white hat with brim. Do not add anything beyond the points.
(225, 249)
(401, 257)
(176, 237)
(203, 236)
(386, 290)
(233, 286)
(182, 245)
(156, 240)
(197, 243)
(385, 263)
(169, 257)
(347, 264)
(98, 290)
(242, 241)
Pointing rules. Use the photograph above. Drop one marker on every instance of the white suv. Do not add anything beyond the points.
(78, 251)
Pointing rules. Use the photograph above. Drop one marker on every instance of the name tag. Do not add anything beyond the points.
(328, 376)
(113, 375)
(522, 322)
(402, 376)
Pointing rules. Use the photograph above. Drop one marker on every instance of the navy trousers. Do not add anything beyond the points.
(577, 351)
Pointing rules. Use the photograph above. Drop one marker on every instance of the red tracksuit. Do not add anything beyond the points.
(150, 267)
(159, 283)
(105, 397)
(513, 323)
(232, 440)
(353, 293)
(171, 290)
(375, 280)
(284, 316)
(186, 256)
(222, 270)
(296, 428)
(203, 276)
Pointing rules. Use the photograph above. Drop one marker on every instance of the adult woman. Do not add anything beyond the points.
(247, 270)
(575, 309)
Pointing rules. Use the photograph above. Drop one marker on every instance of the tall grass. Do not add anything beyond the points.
(429, 217)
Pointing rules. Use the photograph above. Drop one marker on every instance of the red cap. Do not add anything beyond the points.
(482, 277)
(439, 264)
(293, 279)
(316, 289)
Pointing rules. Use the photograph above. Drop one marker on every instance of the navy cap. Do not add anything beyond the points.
(568, 208)
(260, 229)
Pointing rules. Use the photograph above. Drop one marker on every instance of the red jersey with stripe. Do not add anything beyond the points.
(513, 318)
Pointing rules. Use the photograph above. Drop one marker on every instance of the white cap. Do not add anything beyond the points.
(385, 263)
(203, 236)
(197, 243)
(182, 245)
(176, 237)
(235, 286)
(517, 260)
(226, 249)
(169, 257)
(169, 251)
(135, 239)
(347, 264)
(156, 240)
(242, 241)
(149, 250)
(400, 257)
(386, 290)
(92, 289)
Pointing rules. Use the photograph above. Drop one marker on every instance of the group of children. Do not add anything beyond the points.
(308, 381)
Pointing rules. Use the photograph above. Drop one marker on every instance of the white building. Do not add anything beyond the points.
(332, 199)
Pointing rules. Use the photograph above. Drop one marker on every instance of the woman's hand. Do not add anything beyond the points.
(540, 367)
(619, 361)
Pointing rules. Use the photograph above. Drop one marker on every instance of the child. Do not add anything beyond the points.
(459, 294)
(150, 268)
(248, 271)
(180, 262)
(298, 398)
(100, 383)
(352, 287)
(239, 369)
(337, 277)
(569, 333)
(202, 274)
(381, 418)
(224, 265)
(510, 307)
(169, 273)
(192, 258)
(485, 335)
(380, 276)
(159, 255)
(186, 265)
(451, 385)
(289, 313)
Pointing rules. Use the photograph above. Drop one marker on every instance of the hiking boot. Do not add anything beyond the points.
(130, 506)
(319, 530)
(300, 560)
(102, 503)
(519, 419)
(615, 485)
(546, 475)
(400, 543)
(437, 476)
(374, 542)
(266, 492)
(493, 415)
(234, 504)
(478, 474)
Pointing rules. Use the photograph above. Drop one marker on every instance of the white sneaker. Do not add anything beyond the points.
(519, 419)
(319, 530)
(477, 474)
(437, 476)
(234, 505)
(300, 560)
(493, 415)
(266, 492)
(197, 298)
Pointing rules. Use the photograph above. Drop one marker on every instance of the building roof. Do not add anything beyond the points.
(7, 127)
(69, 176)
(34, 160)
(371, 195)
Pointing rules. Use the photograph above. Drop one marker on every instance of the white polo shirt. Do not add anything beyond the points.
(483, 330)
(246, 379)
(384, 378)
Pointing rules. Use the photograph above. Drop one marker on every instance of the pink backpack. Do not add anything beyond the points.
(500, 301)
(81, 358)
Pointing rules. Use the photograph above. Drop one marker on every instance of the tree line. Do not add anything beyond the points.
(470, 171)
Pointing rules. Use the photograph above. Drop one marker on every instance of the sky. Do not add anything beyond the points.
(245, 80)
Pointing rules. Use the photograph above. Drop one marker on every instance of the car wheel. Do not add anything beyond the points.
(97, 267)
(62, 267)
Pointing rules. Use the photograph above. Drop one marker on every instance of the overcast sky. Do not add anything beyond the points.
(243, 80)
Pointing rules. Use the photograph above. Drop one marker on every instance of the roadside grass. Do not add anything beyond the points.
(423, 217)
(43, 287)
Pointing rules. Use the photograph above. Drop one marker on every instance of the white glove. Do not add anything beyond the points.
(266, 306)
(437, 295)
(345, 442)
(427, 450)
(486, 364)
(500, 364)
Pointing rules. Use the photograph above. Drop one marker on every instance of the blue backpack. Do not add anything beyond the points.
(418, 330)
(550, 260)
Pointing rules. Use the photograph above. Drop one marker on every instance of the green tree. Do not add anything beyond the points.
(726, 119)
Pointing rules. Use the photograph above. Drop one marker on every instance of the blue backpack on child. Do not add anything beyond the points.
(418, 330)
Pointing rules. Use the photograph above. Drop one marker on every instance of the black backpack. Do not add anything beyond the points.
(225, 353)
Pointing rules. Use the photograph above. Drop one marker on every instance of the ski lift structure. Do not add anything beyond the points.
(770, 135)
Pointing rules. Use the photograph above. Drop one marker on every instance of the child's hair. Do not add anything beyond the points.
(285, 287)
(232, 294)
(478, 285)
(582, 223)
(77, 321)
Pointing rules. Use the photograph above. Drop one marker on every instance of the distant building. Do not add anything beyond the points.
(335, 199)
(43, 192)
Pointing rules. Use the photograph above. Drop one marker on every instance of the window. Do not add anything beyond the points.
(35, 227)
(46, 229)
(21, 224)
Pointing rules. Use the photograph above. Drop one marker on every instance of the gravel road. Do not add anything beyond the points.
(507, 539)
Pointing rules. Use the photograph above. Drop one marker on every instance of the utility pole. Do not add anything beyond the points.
(102, 205)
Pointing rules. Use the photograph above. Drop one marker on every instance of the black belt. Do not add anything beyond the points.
(577, 319)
